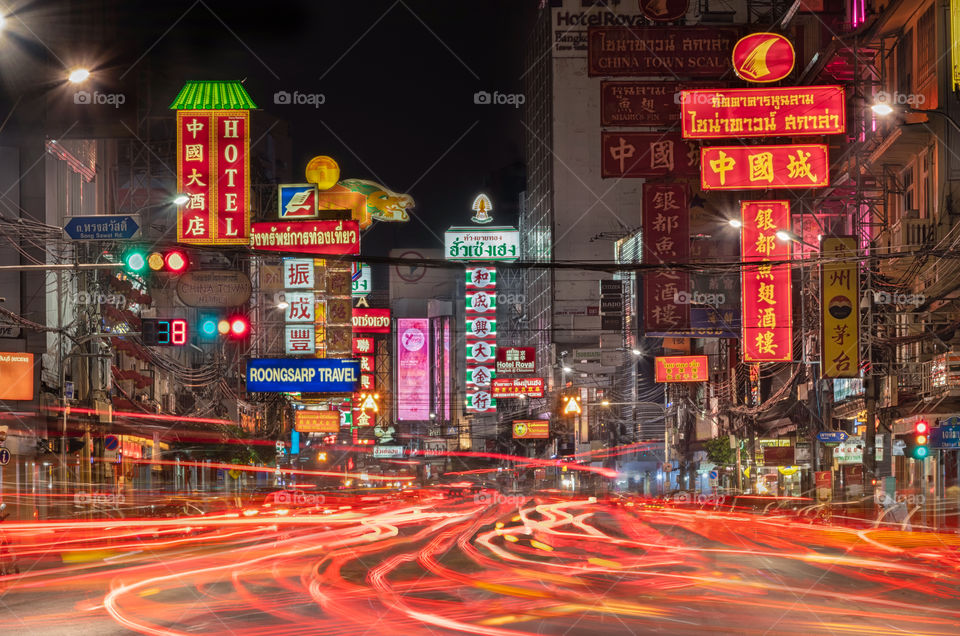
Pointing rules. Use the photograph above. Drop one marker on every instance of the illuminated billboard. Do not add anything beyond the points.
(766, 280)
(413, 368)
(763, 167)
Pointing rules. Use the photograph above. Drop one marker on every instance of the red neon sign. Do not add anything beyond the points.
(764, 167)
(682, 369)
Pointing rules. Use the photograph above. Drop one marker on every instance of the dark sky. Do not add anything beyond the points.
(398, 79)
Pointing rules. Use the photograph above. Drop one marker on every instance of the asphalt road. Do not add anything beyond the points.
(484, 564)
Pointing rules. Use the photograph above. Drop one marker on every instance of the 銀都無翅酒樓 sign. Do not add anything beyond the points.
(303, 375)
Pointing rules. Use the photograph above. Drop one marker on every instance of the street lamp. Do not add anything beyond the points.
(787, 235)
(883, 109)
(736, 223)
(180, 199)
(78, 75)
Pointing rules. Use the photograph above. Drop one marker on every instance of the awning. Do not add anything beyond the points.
(218, 95)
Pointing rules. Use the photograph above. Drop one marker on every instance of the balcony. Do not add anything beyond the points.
(906, 235)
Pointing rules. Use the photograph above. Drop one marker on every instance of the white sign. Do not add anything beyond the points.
(301, 307)
(481, 244)
(387, 451)
(300, 339)
(298, 273)
(360, 280)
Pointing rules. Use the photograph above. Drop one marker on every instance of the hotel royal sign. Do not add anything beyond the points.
(213, 163)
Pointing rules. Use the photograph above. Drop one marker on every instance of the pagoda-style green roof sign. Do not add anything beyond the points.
(198, 95)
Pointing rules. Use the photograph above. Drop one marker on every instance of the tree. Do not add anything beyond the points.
(719, 451)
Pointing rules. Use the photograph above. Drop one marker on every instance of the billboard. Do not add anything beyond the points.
(763, 167)
(297, 201)
(839, 307)
(531, 429)
(516, 359)
(317, 421)
(302, 375)
(517, 387)
(788, 111)
(660, 51)
(413, 368)
(767, 296)
(647, 154)
(682, 369)
(213, 171)
(16, 376)
(309, 237)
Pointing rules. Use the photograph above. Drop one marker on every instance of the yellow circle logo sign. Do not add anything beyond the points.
(323, 171)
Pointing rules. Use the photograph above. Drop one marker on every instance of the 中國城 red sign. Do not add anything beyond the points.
(691, 51)
(763, 57)
(213, 171)
(309, 237)
(517, 387)
(762, 112)
(681, 369)
(764, 167)
(644, 154)
(767, 297)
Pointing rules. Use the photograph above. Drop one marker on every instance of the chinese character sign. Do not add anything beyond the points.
(659, 154)
(839, 305)
(213, 171)
(666, 239)
(767, 311)
(481, 332)
(298, 273)
(764, 167)
(682, 369)
(763, 112)
(300, 340)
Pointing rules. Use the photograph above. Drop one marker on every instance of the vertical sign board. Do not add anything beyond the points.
(666, 232)
(213, 171)
(839, 307)
(413, 368)
(767, 297)
(481, 332)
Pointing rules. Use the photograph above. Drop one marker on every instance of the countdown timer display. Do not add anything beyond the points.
(164, 332)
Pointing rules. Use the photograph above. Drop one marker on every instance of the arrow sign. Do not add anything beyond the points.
(832, 437)
(104, 228)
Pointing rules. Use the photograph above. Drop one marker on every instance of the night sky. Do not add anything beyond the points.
(398, 79)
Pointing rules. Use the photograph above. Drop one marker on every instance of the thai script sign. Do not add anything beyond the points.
(517, 387)
(317, 421)
(662, 50)
(531, 429)
(311, 237)
(366, 320)
(681, 369)
(482, 244)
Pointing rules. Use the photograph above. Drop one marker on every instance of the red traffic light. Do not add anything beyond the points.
(239, 327)
(175, 261)
(921, 427)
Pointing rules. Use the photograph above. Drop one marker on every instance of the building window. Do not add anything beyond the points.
(926, 46)
(905, 64)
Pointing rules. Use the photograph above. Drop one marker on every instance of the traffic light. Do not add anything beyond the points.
(212, 326)
(237, 327)
(139, 261)
(207, 326)
(921, 437)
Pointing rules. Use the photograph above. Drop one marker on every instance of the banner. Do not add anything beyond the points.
(839, 308)
(16, 376)
(317, 421)
(647, 154)
(481, 341)
(517, 387)
(309, 237)
(767, 294)
(213, 171)
(682, 369)
(531, 429)
(413, 367)
(789, 111)
(763, 167)
(666, 232)
(482, 244)
(666, 51)
(302, 375)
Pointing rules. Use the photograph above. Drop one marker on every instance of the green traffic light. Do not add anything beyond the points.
(920, 452)
(135, 261)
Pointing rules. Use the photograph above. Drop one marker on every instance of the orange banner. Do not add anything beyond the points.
(682, 369)
(764, 167)
(16, 376)
(317, 421)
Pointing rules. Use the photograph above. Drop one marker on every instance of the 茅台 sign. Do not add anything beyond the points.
(310, 237)
(516, 359)
(840, 307)
(482, 244)
(302, 375)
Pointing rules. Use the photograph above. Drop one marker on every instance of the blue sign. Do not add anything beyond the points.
(106, 228)
(4, 456)
(111, 443)
(946, 436)
(297, 201)
(832, 437)
(714, 474)
(303, 375)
